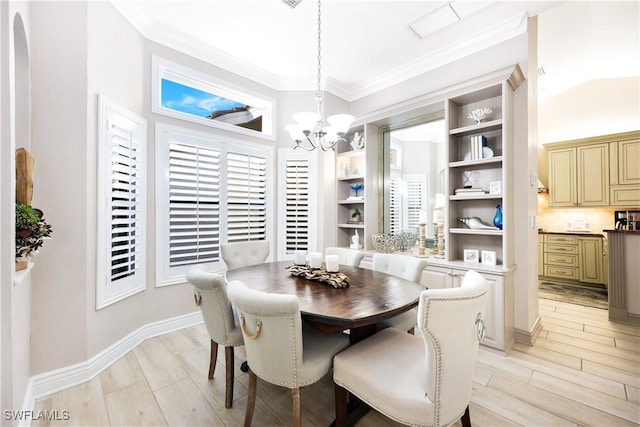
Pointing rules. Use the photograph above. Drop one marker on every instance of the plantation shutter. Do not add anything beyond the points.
(194, 205)
(395, 205)
(297, 205)
(246, 197)
(126, 200)
(415, 199)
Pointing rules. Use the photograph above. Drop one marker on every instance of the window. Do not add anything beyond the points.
(210, 191)
(297, 202)
(193, 96)
(121, 204)
(395, 204)
(414, 202)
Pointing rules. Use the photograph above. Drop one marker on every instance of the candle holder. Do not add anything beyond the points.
(422, 248)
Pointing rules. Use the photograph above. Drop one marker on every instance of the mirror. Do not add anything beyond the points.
(413, 174)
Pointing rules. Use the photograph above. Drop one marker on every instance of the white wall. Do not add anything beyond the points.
(90, 49)
(59, 144)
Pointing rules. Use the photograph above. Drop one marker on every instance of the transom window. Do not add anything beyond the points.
(186, 94)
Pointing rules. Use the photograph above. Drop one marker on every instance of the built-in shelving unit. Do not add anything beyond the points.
(350, 169)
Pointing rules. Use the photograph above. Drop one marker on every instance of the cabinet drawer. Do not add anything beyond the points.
(561, 260)
(561, 249)
(564, 272)
(562, 239)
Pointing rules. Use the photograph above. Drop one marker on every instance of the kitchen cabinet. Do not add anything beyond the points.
(540, 255)
(573, 258)
(561, 256)
(597, 171)
(625, 173)
(591, 260)
(498, 318)
(579, 176)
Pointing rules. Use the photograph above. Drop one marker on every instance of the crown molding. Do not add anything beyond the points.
(489, 36)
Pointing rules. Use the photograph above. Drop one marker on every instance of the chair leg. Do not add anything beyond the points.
(229, 361)
(213, 359)
(341, 396)
(466, 419)
(296, 420)
(251, 398)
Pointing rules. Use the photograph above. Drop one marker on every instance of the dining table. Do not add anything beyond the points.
(370, 297)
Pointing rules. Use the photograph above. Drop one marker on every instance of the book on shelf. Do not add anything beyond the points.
(468, 191)
(476, 144)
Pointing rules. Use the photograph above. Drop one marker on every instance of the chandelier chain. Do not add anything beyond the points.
(319, 50)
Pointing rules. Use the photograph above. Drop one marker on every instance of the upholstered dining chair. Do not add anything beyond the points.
(244, 254)
(419, 380)
(219, 319)
(346, 256)
(278, 350)
(408, 268)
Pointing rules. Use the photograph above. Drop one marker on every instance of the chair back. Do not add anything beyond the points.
(346, 256)
(244, 254)
(448, 322)
(404, 266)
(272, 333)
(217, 312)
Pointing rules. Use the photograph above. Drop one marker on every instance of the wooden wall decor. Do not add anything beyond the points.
(25, 164)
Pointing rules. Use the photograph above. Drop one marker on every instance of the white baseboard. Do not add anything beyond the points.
(529, 337)
(50, 382)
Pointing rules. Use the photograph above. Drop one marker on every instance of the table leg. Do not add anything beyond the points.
(362, 332)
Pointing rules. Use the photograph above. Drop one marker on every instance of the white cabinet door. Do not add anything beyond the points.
(436, 277)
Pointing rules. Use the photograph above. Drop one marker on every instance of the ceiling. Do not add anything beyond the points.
(368, 45)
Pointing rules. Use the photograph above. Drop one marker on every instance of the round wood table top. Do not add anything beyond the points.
(370, 297)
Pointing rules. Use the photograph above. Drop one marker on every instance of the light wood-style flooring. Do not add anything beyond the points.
(582, 371)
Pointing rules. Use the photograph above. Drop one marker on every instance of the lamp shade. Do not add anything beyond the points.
(341, 122)
(330, 133)
(306, 120)
(295, 131)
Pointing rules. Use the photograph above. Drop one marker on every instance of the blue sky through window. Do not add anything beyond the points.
(193, 101)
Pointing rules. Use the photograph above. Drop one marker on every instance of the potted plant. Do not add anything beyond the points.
(31, 232)
(356, 215)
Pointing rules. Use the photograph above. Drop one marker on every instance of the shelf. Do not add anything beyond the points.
(351, 201)
(350, 177)
(476, 197)
(342, 225)
(478, 232)
(478, 162)
(477, 128)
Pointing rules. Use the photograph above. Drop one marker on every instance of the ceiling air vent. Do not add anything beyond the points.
(541, 72)
(292, 3)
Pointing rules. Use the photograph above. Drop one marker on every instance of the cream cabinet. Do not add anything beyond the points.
(498, 318)
(573, 258)
(591, 260)
(597, 171)
(579, 176)
(625, 173)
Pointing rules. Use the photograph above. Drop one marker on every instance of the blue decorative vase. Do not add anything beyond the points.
(497, 219)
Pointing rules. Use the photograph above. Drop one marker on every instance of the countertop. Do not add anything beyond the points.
(622, 231)
(574, 233)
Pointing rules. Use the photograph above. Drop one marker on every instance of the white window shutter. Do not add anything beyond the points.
(121, 266)
(395, 205)
(297, 201)
(194, 205)
(246, 197)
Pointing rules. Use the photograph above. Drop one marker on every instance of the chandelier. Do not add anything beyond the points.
(309, 132)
